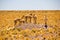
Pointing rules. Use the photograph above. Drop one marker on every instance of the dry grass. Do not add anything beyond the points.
(9, 32)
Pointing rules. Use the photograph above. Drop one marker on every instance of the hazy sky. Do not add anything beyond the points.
(29, 4)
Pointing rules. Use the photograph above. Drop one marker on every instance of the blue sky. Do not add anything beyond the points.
(29, 4)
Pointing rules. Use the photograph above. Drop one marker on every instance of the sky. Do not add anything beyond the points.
(29, 4)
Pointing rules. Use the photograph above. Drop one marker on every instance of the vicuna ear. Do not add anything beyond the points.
(15, 21)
